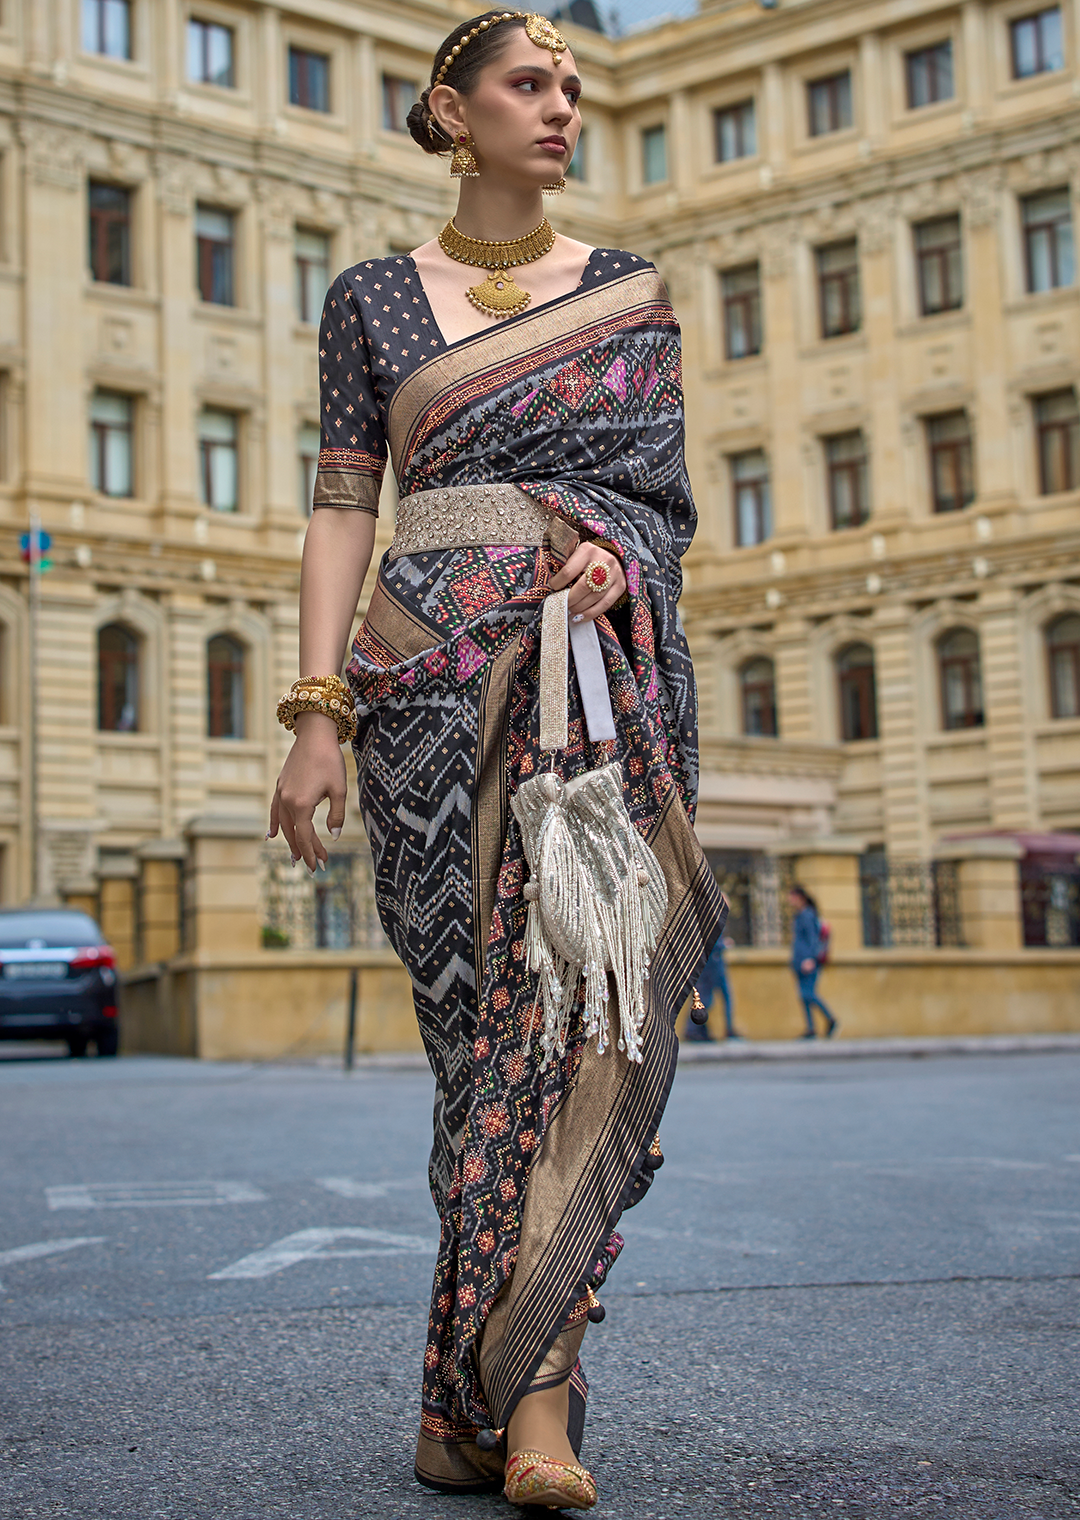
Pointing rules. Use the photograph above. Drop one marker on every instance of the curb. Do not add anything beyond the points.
(691, 1054)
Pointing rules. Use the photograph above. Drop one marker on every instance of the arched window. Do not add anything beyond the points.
(225, 687)
(757, 680)
(961, 679)
(858, 693)
(1063, 651)
(118, 679)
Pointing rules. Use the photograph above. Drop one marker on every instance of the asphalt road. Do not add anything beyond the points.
(854, 1290)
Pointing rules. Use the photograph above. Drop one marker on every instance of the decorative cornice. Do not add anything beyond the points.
(55, 155)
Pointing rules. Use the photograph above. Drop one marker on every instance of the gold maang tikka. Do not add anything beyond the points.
(498, 296)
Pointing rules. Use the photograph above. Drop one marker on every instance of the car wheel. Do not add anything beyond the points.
(77, 1046)
(108, 1041)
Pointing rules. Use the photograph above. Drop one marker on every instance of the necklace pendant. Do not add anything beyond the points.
(499, 295)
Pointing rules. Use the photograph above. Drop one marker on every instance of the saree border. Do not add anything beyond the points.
(491, 360)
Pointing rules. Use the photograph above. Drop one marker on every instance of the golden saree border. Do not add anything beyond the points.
(347, 488)
(596, 1141)
(496, 358)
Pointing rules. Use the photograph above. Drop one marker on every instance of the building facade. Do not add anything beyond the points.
(865, 214)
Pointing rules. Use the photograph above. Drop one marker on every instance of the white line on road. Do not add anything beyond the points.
(348, 1187)
(150, 1195)
(47, 1248)
(314, 1245)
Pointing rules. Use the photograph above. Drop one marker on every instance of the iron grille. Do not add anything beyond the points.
(756, 887)
(334, 910)
(909, 902)
(1051, 904)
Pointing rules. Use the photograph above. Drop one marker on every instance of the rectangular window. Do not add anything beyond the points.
(1036, 43)
(952, 479)
(214, 253)
(578, 167)
(309, 79)
(310, 443)
(312, 272)
(110, 234)
(829, 103)
(736, 132)
(106, 27)
(1048, 240)
(751, 499)
(938, 261)
(1057, 426)
(210, 53)
(398, 98)
(929, 75)
(654, 154)
(111, 450)
(741, 292)
(219, 457)
(849, 497)
(838, 288)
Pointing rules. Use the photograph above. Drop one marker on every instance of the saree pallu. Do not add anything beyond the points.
(580, 405)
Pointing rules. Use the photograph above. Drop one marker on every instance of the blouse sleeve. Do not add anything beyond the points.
(353, 452)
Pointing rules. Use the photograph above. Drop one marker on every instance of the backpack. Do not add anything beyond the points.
(824, 936)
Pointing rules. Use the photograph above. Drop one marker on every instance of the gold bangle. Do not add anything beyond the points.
(325, 694)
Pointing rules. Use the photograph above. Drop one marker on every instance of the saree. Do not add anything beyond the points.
(578, 403)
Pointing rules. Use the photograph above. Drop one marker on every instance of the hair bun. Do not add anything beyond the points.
(418, 121)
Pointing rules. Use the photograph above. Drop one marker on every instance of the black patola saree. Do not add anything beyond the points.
(578, 404)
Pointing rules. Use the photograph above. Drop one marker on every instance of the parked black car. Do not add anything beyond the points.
(57, 980)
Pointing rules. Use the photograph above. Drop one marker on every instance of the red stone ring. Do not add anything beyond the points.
(597, 576)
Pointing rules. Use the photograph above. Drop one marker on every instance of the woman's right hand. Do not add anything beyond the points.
(314, 769)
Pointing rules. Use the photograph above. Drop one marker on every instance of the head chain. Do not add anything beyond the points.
(538, 29)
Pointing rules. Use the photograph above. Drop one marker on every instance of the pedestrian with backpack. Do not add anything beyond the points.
(809, 952)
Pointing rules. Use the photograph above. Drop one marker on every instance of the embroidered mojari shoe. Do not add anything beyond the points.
(533, 1478)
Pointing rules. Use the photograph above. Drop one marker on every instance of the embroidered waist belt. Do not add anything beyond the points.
(455, 517)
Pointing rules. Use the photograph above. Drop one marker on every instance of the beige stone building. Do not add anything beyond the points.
(865, 212)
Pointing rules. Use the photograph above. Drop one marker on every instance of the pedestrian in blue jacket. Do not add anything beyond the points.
(805, 958)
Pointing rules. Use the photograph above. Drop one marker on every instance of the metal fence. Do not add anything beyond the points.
(756, 887)
(333, 910)
(909, 902)
(1050, 896)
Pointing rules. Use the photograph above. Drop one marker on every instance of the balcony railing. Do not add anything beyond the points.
(334, 910)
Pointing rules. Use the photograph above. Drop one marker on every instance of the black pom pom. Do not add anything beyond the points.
(596, 1313)
(652, 1163)
(487, 1440)
(699, 1015)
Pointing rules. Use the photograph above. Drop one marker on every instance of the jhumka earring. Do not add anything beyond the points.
(557, 188)
(463, 164)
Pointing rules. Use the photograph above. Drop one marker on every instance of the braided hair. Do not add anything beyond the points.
(461, 75)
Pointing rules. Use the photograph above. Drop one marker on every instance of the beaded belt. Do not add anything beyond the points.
(453, 517)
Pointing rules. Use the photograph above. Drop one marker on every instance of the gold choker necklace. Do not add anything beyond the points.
(502, 296)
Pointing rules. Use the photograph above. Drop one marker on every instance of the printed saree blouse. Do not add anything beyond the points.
(579, 403)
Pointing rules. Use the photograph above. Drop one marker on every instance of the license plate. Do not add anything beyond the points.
(35, 971)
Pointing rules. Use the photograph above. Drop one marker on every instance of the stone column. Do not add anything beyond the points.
(117, 898)
(186, 732)
(831, 875)
(179, 497)
(1009, 741)
(902, 758)
(158, 906)
(221, 890)
(783, 380)
(991, 911)
(995, 475)
(888, 497)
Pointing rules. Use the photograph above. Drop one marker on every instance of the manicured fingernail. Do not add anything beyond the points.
(577, 617)
(309, 869)
(267, 834)
(321, 864)
(293, 859)
(336, 833)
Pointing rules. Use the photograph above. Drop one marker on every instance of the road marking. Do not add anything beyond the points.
(314, 1245)
(348, 1187)
(47, 1248)
(150, 1195)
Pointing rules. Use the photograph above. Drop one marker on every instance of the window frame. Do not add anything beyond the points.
(99, 221)
(856, 470)
(830, 83)
(1052, 228)
(849, 282)
(960, 451)
(307, 52)
(309, 464)
(859, 681)
(749, 102)
(100, 433)
(748, 303)
(310, 313)
(652, 130)
(1029, 18)
(927, 50)
(206, 462)
(205, 247)
(208, 24)
(759, 491)
(386, 78)
(748, 690)
(1071, 649)
(941, 255)
(969, 666)
(130, 661)
(1045, 430)
(216, 700)
(100, 8)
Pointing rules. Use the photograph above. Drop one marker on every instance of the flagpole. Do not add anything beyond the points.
(35, 610)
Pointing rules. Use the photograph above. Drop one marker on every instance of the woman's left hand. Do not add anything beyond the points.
(585, 603)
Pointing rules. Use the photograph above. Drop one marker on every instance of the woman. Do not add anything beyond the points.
(531, 408)
(805, 951)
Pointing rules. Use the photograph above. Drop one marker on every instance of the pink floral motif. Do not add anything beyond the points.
(615, 379)
(470, 658)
